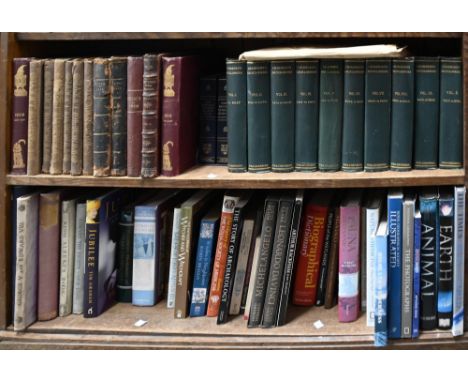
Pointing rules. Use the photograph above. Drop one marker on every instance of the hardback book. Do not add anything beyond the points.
(353, 115)
(67, 116)
(179, 113)
(311, 241)
(426, 112)
(348, 258)
(25, 305)
(331, 289)
(48, 255)
(451, 113)
(190, 214)
(253, 275)
(221, 123)
(171, 285)
(258, 117)
(362, 254)
(101, 241)
(416, 274)
(19, 115)
(47, 97)
(76, 166)
(377, 115)
(290, 259)
(209, 226)
(134, 114)
(34, 146)
(445, 265)
(306, 115)
(395, 256)
(221, 151)
(278, 258)
(458, 260)
(236, 104)
(67, 256)
(208, 107)
(88, 116)
(219, 264)
(330, 115)
(282, 96)
(232, 256)
(118, 94)
(428, 205)
(381, 284)
(58, 105)
(80, 253)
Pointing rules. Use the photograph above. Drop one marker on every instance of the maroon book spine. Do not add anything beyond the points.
(134, 114)
(179, 113)
(19, 116)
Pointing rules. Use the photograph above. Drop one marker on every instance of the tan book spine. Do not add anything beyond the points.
(57, 117)
(47, 115)
(88, 117)
(34, 117)
(67, 117)
(77, 118)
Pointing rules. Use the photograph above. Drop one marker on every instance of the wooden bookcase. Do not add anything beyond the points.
(115, 328)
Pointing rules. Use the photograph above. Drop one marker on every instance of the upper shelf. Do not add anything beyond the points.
(219, 177)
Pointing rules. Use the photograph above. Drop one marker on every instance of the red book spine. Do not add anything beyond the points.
(310, 253)
(134, 114)
(179, 113)
(19, 116)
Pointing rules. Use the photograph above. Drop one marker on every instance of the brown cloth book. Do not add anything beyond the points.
(35, 117)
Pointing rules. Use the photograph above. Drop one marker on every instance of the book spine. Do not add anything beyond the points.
(278, 257)
(118, 91)
(208, 105)
(429, 238)
(76, 166)
(353, 115)
(90, 305)
(377, 115)
(417, 275)
(222, 246)
(332, 274)
(150, 141)
(263, 266)
(35, 118)
(56, 161)
(282, 96)
(306, 118)
(322, 277)
(253, 275)
(88, 112)
(101, 118)
(134, 114)
(19, 116)
(183, 263)
(47, 115)
(80, 236)
(372, 221)
(202, 273)
(330, 115)
(407, 269)
(67, 257)
(67, 117)
(451, 114)
(348, 264)
(221, 123)
(258, 117)
(458, 261)
(125, 255)
(362, 261)
(401, 147)
(221, 150)
(381, 291)
(426, 112)
(236, 100)
(171, 286)
(445, 274)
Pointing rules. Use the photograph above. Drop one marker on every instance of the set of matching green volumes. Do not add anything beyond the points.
(350, 115)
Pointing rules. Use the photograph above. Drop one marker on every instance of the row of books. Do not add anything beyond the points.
(134, 116)
(350, 115)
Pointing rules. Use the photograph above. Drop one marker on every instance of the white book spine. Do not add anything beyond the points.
(372, 221)
(407, 268)
(459, 261)
(171, 287)
(78, 275)
(67, 257)
(253, 276)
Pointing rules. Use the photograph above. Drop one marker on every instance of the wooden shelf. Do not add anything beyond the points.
(115, 329)
(220, 177)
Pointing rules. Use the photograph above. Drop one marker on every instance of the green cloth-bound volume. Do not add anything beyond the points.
(451, 114)
(282, 90)
(331, 115)
(306, 139)
(401, 152)
(377, 115)
(258, 116)
(353, 116)
(236, 100)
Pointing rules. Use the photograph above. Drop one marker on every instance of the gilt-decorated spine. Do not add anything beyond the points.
(77, 118)
(134, 114)
(48, 86)
(88, 117)
(35, 117)
(56, 161)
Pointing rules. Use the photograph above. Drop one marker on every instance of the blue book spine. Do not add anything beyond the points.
(203, 265)
(381, 289)
(395, 209)
(416, 274)
(144, 257)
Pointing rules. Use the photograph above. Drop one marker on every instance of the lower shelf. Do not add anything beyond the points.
(115, 329)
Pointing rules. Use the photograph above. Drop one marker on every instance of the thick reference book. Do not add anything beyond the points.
(458, 260)
(381, 284)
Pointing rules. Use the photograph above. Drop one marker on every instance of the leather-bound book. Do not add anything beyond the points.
(48, 87)
(180, 113)
(77, 118)
(134, 114)
(67, 117)
(88, 117)
(35, 118)
(19, 115)
(56, 162)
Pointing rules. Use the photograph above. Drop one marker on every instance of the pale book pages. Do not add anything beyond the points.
(80, 247)
(300, 53)
(67, 257)
(171, 289)
(253, 276)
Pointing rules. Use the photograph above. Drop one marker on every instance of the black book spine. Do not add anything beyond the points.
(91, 270)
(125, 256)
(322, 281)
